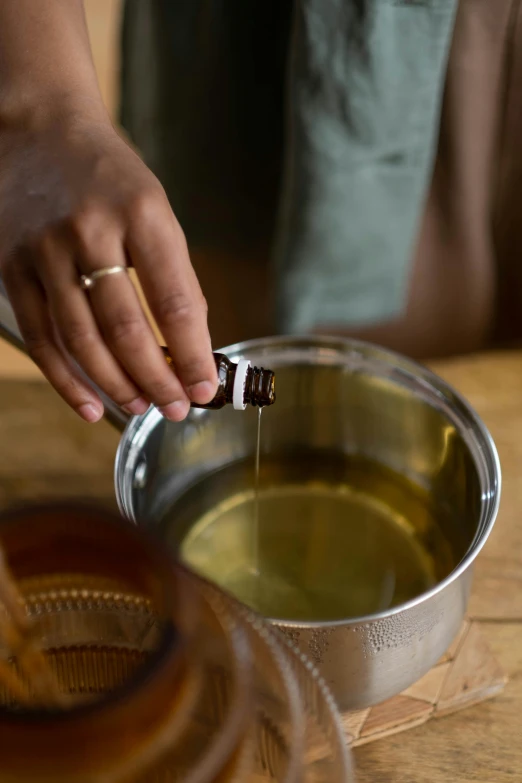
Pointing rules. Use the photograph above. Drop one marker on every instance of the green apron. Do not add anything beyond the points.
(313, 123)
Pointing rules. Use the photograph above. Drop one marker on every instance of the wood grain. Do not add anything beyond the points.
(48, 451)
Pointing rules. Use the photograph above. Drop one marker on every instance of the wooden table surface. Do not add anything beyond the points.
(47, 452)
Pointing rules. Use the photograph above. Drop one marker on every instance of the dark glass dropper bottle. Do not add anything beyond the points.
(239, 384)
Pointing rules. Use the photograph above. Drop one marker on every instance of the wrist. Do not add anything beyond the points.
(35, 111)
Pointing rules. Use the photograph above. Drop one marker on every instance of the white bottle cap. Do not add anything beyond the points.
(238, 394)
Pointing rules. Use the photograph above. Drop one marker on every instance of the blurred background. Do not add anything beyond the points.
(103, 18)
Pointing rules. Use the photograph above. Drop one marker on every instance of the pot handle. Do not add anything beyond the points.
(9, 331)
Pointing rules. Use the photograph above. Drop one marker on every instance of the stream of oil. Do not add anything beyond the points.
(255, 528)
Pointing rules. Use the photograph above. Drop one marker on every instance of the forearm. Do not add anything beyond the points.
(46, 65)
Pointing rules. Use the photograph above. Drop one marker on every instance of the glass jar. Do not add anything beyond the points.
(171, 679)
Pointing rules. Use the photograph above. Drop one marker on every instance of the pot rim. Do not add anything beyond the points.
(396, 368)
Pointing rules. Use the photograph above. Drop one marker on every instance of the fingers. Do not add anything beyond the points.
(108, 333)
(159, 254)
(36, 327)
(79, 331)
(106, 330)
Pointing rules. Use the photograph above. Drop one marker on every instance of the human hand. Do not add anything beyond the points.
(74, 197)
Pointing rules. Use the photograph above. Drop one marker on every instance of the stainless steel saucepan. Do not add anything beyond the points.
(346, 397)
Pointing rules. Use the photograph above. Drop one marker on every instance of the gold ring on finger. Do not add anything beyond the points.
(87, 282)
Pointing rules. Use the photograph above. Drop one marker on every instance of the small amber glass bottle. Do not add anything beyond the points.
(239, 384)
